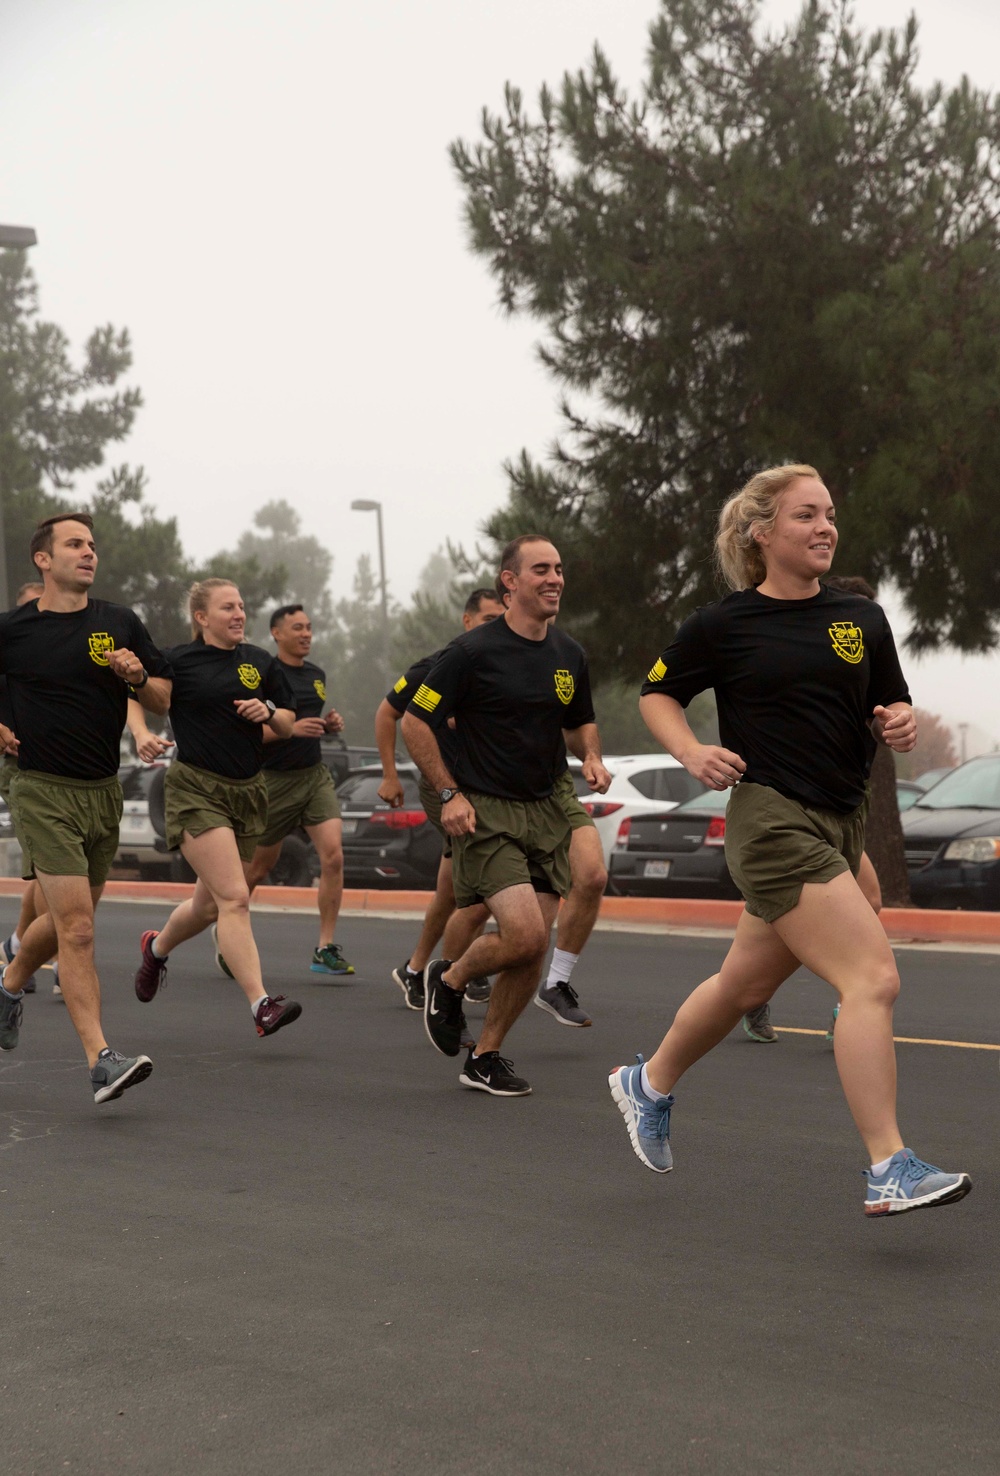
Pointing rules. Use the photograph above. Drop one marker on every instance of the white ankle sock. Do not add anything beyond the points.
(651, 1092)
(879, 1168)
(561, 967)
(256, 1005)
(155, 951)
(15, 943)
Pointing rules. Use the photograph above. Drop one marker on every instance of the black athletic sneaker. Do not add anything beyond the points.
(411, 982)
(493, 1073)
(478, 991)
(112, 1074)
(444, 1019)
(274, 1012)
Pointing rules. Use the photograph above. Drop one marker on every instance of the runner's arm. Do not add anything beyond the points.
(584, 743)
(715, 767)
(457, 816)
(895, 726)
(148, 745)
(386, 718)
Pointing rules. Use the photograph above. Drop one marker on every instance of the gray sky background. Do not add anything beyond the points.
(260, 191)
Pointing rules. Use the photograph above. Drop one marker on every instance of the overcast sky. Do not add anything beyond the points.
(260, 191)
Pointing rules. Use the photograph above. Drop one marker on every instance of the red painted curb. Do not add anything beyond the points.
(910, 924)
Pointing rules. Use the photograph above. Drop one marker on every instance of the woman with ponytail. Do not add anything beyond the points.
(807, 682)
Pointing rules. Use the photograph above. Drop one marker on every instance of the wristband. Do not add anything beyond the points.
(137, 686)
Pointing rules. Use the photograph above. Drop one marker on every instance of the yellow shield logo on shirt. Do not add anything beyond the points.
(848, 641)
(101, 645)
(320, 689)
(564, 686)
(249, 676)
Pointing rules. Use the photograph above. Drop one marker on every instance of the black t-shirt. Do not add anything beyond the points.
(796, 682)
(6, 710)
(402, 693)
(208, 681)
(68, 707)
(307, 684)
(511, 698)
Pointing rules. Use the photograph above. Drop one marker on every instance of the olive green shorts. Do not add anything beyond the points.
(298, 797)
(432, 805)
(565, 792)
(197, 800)
(514, 842)
(66, 827)
(774, 845)
(8, 768)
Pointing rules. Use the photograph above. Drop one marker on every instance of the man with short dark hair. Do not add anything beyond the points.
(300, 788)
(71, 663)
(512, 686)
(441, 918)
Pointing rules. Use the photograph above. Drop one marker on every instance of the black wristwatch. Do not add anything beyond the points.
(271, 709)
(444, 795)
(136, 686)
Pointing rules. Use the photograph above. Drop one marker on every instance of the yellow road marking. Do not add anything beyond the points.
(962, 1045)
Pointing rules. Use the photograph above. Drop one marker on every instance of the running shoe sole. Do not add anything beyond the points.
(220, 962)
(550, 1009)
(762, 1039)
(950, 1195)
(625, 1108)
(482, 1086)
(142, 1068)
(331, 973)
(397, 980)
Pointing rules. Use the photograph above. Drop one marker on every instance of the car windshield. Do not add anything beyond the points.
(976, 785)
(710, 802)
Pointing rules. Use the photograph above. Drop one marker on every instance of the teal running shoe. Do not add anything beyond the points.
(910, 1184)
(833, 1021)
(648, 1122)
(328, 959)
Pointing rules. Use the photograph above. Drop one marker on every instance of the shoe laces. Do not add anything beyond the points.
(569, 992)
(16, 1009)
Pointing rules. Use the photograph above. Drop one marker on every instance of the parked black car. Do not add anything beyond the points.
(952, 839)
(678, 853)
(384, 847)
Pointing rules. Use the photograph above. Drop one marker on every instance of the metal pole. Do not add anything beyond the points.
(385, 597)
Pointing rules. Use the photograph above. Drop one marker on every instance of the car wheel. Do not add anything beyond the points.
(293, 867)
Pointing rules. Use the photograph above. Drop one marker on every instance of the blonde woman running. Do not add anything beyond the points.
(807, 681)
(225, 692)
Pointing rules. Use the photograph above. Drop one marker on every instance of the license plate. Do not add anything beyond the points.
(656, 868)
(350, 826)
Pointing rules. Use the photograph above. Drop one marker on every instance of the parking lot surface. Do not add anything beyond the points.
(318, 1253)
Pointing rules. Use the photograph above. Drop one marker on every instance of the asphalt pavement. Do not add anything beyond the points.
(318, 1253)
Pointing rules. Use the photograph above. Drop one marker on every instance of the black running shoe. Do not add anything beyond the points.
(274, 1012)
(444, 1019)
(493, 1073)
(478, 991)
(411, 982)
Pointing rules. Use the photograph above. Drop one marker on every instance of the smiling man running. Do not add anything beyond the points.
(513, 686)
(71, 663)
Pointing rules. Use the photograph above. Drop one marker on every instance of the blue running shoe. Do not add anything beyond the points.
(648, 1122)
(910, 1184)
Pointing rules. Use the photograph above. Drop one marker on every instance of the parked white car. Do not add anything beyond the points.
(643, 784)
(137, 848)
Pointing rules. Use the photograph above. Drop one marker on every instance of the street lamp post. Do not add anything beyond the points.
(367, 504)
(14, 238)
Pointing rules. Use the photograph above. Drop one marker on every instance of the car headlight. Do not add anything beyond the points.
(974, 848)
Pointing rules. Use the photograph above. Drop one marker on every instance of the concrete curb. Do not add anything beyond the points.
(902, 924)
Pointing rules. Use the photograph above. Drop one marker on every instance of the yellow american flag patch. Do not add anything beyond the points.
(657, 673)
(426, 698)
(400, 684)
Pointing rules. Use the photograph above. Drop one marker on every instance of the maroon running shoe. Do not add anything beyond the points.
(152, 972)
(276, 1011)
